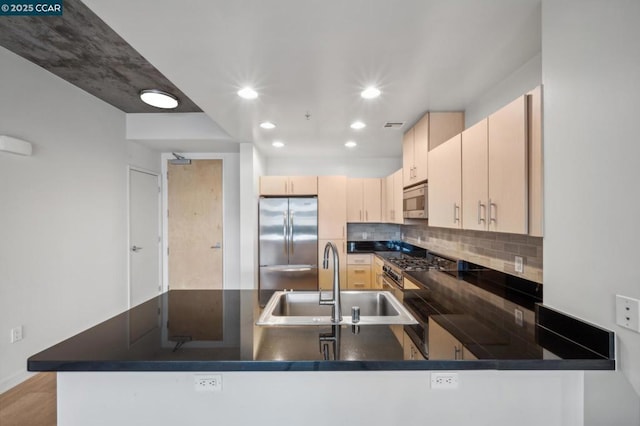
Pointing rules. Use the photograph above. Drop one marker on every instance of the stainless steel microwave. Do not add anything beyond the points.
(415, 202)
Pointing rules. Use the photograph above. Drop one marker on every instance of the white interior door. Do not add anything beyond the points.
(144, 236)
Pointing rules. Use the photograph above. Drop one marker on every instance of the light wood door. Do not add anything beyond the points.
(303, 185)
(332, 207)
(536, 198)
(445, 184)
(144, 236)
(355, 198)
(372, 204)
(475, 176)
(421, 149)
(325, 276)
(407, 157)
(195, 225)
(274, 185)
(396, 212)
(508, 187)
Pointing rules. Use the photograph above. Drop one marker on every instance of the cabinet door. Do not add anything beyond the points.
(376, 279)
(372, 204)
(508, 199)
(445, 184)
(354, 200)
(303, 185)
(332, 207)
(443, 126)
(475, 177)
(274, 185)
(421, 149)
(407, 157)
(442, 345)
(389, 199)
(358, 277)
(535, 162)
(325, 276)
(411, 352)
(397, 198)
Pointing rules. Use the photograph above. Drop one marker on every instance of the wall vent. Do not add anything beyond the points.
(393, 124)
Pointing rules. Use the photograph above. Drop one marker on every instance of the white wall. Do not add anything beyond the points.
(590, 69)
(251, 168)
(517, 83)
(344, 166)
(359, 398)
(63, 242)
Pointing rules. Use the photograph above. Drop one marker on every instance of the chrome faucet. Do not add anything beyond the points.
(336, 312)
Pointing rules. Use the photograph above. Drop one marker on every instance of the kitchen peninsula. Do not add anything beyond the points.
(150, 358)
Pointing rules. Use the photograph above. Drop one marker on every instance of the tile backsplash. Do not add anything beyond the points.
(373, 232)
(491, 249)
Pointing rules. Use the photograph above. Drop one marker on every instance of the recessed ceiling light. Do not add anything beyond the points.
(370, 93)
(350, 144)
(358, 125)
(267, 125)
(158, 99)
(278, 144)
(247, 93)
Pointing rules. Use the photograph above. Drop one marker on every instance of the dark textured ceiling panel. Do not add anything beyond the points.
(80, 48)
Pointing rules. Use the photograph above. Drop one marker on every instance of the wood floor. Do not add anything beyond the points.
(31, 403)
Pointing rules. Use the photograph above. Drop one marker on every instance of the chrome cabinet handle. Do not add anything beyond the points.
(493, 212)
(456, 216)
(292, 190)
(216, 246)
(135, 249)
(366, 216)
(480, 208)
(456, 352)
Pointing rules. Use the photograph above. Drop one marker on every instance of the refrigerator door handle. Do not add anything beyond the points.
(285, 238)
(291, 234)
(289, 268)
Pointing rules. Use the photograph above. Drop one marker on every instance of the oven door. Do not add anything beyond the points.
(415, 202)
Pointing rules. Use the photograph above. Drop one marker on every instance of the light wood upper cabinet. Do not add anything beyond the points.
(475, 176)
(288, 185)
(431, 130)
(534, 99)
(445, 184)
(325, 276)
(364, 200)
(508, 185)
(392, 198)
(332, 207)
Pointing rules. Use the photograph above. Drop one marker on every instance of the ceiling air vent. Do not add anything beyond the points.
(393, 124)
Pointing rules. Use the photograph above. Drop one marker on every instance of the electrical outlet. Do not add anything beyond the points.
(628, 312)
(519, 265)
(519, 318)
(208, 382)
(16, 334)
(444, 380)
(364, 235)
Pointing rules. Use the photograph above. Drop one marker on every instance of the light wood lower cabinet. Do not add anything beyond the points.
(442, 344)
(376, 279)
(359, 271)
(411, 351)
(325, 276)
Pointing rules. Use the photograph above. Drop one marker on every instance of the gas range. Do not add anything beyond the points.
(396, 263)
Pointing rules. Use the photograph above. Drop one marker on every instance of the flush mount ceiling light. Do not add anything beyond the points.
(278, 144)
(158, 99)
(358, 125)
(370, 93)
(247, 93)
(267, 125)
(350, 144)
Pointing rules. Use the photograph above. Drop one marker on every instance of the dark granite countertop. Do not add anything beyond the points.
(214, 330)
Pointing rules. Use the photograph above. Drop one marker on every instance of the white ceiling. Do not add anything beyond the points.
(317, 55)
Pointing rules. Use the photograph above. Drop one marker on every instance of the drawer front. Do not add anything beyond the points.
(359, 259)
(358, 277)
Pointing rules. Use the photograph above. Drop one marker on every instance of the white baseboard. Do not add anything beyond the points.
(14, 380)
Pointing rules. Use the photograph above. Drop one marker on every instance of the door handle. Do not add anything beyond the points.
(136, 249)
(291, 233)
(284, 232)
(216, 246)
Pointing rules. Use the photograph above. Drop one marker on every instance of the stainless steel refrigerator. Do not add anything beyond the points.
(288, 245)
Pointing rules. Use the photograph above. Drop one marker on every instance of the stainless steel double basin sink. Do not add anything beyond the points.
(302, 308)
